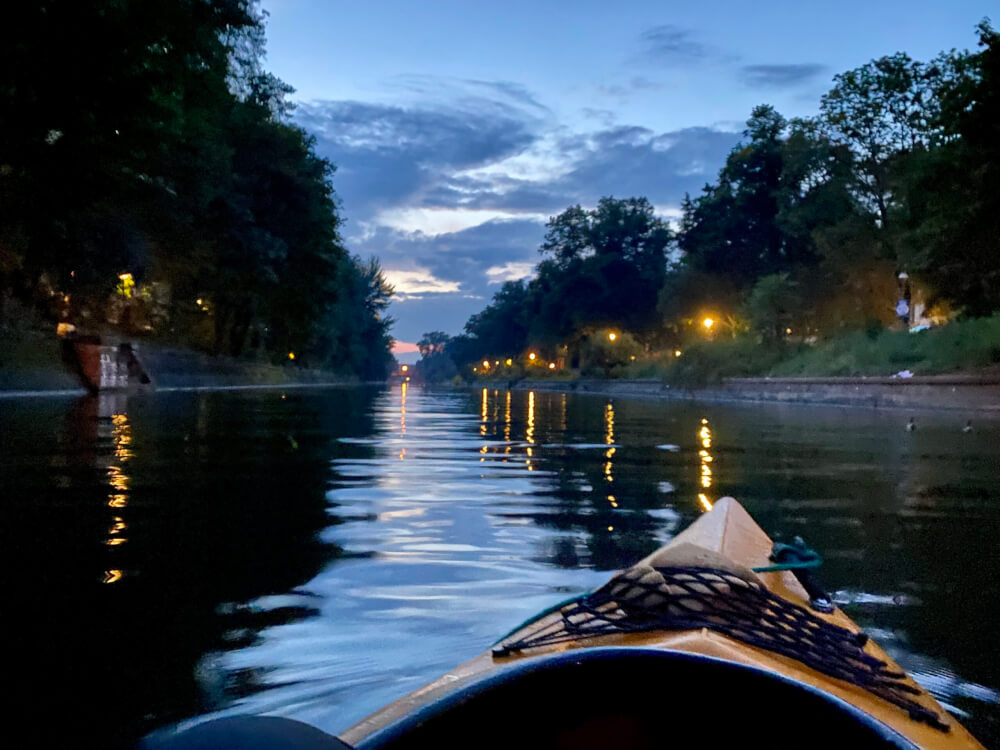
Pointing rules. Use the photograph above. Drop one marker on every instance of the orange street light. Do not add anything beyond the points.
(612, 336)
(486, 364)
(677, 352)
(405, 368)
(532, 356)
(291, 355)
(552, 365)
(708, 323)
(509, 362)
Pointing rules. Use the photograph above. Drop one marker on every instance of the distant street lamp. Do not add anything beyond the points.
(486, 364)
(509, 362)
(708, 323)
(404, 368)
(612, 336)
(552, 365)
(532, 356)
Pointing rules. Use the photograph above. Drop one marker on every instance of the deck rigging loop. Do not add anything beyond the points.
(672, 598)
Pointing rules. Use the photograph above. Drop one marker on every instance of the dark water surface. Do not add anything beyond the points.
(319, 553)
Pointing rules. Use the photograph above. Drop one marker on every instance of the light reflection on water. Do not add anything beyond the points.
(321, 554)
(480, 527)
(462, 549)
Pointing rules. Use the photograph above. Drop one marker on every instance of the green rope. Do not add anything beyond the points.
(796, 556)
(787, 566)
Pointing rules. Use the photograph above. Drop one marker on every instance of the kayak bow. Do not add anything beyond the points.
(694, 625)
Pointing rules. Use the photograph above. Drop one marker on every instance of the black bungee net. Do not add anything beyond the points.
(644, 599)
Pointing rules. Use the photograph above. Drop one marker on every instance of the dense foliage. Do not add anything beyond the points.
(149, 176)
(813, 229)
(602, 268)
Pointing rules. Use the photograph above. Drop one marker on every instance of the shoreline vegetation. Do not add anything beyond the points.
(859, 242)
(158, 191)
(965, 348)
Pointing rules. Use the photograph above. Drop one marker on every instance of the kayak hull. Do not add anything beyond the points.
(726, 533)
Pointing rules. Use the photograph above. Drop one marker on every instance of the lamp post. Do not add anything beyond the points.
(903, 309)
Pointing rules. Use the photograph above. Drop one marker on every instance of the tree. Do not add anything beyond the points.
(613, 256)
(499, 330)
(145, 136)
(433, 343)
(756, 219)
(89, 122)
(886, 109)
(772, 305)
(953, 192)
(567, 236)
(435, 364)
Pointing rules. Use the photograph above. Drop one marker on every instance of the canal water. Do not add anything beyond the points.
(318, 553)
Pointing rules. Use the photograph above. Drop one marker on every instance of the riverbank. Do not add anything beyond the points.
(942, 392)
(32, 364)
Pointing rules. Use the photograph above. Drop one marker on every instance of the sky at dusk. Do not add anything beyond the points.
(459, 128)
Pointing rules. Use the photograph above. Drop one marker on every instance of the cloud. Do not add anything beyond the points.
(671, 46)
(472, 231)
(388, 155)
(780, 76)
(417, 282)
(440, 220)
(509, 272)
(624, 91)
(632, 161)
(404, 347)
(605, 117)
(436, 88)
(671, 43)
(454, 262)
(452, 193)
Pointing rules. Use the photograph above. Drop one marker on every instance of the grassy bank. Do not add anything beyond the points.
(968, 345)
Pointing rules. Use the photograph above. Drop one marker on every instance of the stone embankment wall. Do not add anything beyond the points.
(964, 392)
